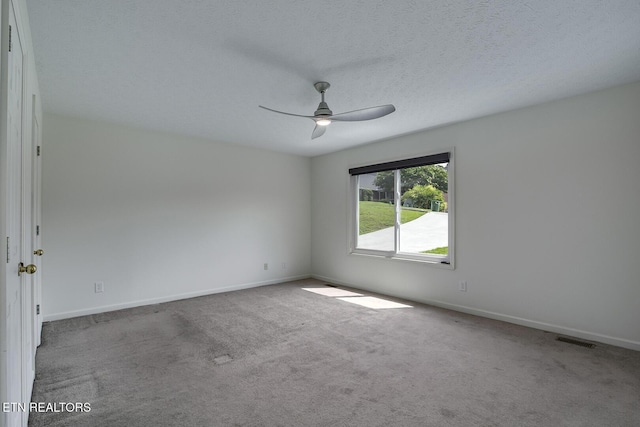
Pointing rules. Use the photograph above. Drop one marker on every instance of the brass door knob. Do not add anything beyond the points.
(38, 252)
(29, 269)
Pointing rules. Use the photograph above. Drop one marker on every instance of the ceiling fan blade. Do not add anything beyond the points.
(364, 114)
(318, 131)
(288, 114)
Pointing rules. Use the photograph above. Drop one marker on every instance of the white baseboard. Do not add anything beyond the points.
(591, 336)
(175, 297)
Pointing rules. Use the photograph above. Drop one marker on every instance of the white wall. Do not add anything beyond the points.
(546, 226)
(158, 216)
(547, 222)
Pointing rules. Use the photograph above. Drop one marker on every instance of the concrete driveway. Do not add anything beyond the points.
(430, 231)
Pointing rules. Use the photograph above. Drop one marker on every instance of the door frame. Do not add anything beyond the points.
(26, 234)
(36, 219)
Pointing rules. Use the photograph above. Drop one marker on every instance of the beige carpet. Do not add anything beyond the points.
(280, 355)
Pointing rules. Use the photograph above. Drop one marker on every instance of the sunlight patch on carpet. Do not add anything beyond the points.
(373, 302)
(332, 292)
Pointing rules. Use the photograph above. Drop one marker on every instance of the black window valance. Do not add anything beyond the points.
(401, 164)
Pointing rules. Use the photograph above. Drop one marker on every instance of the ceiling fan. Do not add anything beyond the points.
(323, 116)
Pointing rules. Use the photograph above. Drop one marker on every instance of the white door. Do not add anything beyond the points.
(14, 368)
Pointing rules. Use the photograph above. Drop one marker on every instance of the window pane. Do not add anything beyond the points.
(376, 211)
(424, 225)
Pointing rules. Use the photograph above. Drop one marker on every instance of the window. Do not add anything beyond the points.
(404, 209)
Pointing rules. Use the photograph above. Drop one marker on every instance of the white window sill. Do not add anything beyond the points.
(431, 262)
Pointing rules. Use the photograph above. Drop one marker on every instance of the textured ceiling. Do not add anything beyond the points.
(202, 67)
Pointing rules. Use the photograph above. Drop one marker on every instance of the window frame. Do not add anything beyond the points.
(447, 262)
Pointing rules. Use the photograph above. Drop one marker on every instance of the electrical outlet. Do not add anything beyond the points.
(284, 265)
(99, 287)
(462, 286)
(266, 266)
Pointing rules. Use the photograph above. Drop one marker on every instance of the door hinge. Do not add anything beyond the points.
(7, 249)
(37, 309)
(9, 38)
(37, 230)
(38, 150)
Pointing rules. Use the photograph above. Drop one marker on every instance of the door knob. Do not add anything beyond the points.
(38, 252)
(29, 269)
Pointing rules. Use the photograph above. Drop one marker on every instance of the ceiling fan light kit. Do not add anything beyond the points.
(323, 116)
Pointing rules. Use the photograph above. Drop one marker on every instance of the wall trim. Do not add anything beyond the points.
(169, 298)
(548, 327)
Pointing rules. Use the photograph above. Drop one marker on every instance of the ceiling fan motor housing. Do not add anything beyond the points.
(323, 110)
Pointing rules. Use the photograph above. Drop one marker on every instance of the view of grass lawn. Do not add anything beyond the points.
(375, 216)
(438, 251)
